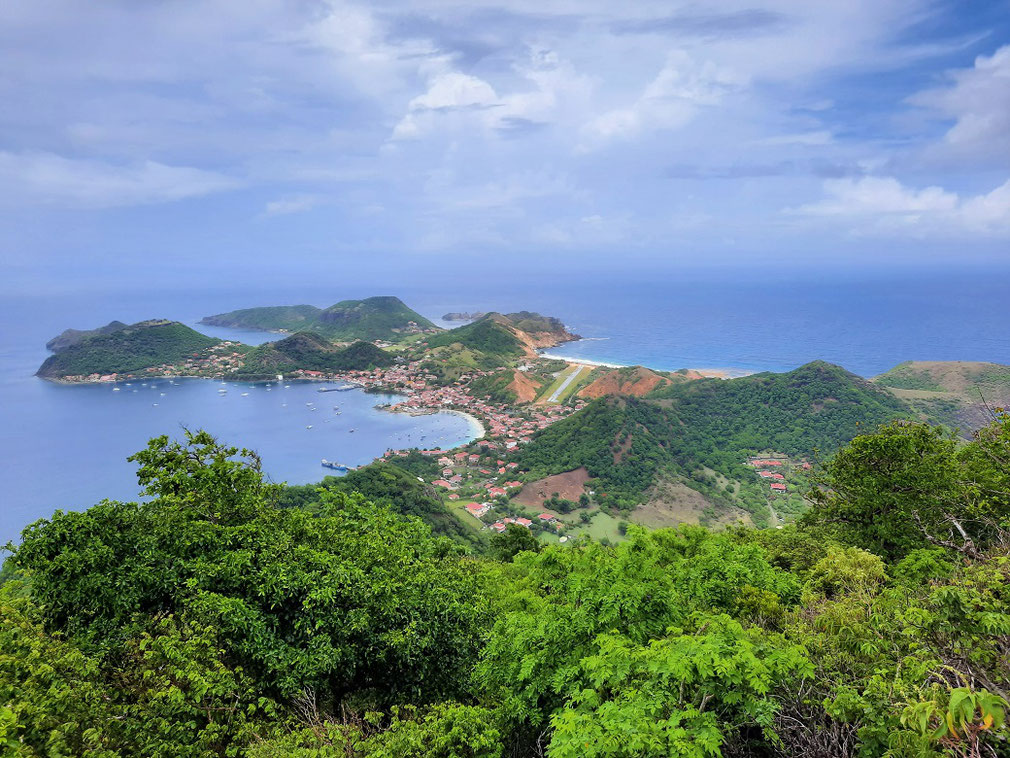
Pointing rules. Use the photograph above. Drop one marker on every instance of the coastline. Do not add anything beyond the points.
(476, 425)
(709, 373)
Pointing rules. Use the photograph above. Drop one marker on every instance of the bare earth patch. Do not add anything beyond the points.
(568, 485)
(672, 503)
(524, 387)
(636, 383)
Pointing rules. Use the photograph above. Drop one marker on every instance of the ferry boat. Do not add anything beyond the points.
(336, 466)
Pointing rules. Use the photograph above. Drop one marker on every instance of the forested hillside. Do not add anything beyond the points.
(311, 352)
(373, 318)
(711, 424)
(148, 343)
(210, 621)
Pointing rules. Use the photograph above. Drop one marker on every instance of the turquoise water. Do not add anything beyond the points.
(65, 446)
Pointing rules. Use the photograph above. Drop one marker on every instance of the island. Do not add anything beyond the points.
(462, 316)
(374, 318)
(572, 440)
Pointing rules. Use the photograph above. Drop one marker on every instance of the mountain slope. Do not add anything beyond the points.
(311, 352)
(137, 347)
(373, 318)
(703, 430)
(71, 337)
(951, 392)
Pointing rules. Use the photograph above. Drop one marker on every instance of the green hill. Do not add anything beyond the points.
(311, 352)
(135, 348)
(370, 319)
(276, 318)
(702, 431)
(70, 337)
(489, 336)
(956, 393)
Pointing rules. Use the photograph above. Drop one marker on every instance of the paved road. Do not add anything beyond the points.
(564, 385)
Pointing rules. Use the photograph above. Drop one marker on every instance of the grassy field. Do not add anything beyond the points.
(559, 380)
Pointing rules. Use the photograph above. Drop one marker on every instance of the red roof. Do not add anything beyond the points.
(546, 517)
(778, 486)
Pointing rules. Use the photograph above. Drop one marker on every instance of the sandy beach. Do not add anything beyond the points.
(478, 428)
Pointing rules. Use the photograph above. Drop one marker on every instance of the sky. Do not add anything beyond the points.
(168, 141)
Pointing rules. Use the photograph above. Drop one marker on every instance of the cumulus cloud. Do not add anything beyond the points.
(873, 204)
(977, 100)
(509, 122)
(56, 180)
(682, 87)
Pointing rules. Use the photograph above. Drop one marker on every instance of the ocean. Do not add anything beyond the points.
(66, 446)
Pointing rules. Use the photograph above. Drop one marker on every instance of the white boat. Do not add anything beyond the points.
(115, 389)
(309, 426)
(245, 394)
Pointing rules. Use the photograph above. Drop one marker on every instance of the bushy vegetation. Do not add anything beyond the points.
(207, 621)
(495, 386)
(907, 376)
(146, 344)
(390, 485)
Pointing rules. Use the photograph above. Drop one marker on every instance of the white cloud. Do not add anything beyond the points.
(54, 179)
(977, 99)
(681, 88)
(883, 205)
(447, 91)
(297, 204)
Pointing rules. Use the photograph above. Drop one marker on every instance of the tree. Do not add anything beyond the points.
(353, 598)
(514, 540)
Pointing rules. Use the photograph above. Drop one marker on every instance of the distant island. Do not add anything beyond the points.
(374, 318)
(463, 316)
(352, 335)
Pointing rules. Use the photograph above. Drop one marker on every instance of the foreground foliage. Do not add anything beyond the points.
(209, 621)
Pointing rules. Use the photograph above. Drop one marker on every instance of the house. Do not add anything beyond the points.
(779, 487)
(442, 483)
(524, 522)
(547, 517)
(473, 458)
(477, 509)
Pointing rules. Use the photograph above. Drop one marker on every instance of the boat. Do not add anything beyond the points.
(336, 466)
(346, 387)
(309, 426)
(350, 431)
(115, 389)
(245, 394)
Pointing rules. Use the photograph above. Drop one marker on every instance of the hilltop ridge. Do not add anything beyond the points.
(381, 317)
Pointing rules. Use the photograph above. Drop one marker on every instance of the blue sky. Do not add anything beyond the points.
(249, 139)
